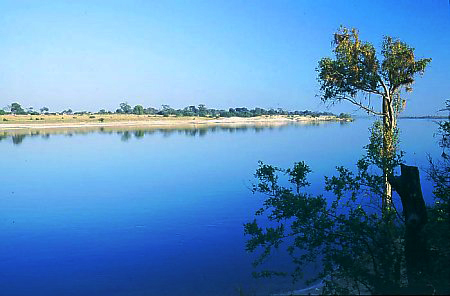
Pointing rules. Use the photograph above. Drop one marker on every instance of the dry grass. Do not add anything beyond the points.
(28, 119)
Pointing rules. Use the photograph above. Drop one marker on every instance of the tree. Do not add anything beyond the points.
(138, 109)
(354, 247)
(202, 110)
(150, 111)
(356, 74)
(17, 109)
(43, 110)
(359, 247)
(166, 110)
(125, 108)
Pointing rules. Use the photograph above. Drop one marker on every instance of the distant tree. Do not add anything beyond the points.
(17, 109)
(345, 116)
(166, 110)
(202, 110)
(356, 71)
(138, 110)
(44, 110)
(150, 111)
(125, 108)
(102, 111)
(192, 109)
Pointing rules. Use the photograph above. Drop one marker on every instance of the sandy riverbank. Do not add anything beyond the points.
(24, 122)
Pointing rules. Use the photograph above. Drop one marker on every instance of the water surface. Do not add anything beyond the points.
(156, 212)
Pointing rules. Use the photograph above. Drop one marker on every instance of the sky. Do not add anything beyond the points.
(91, 55)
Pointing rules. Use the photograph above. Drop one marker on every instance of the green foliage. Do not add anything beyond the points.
(399, 65)
(359, 249)
(357, 70)
(125, 108)
(138, 110)
(16, 108)
(375, 152)
(345, 116)
(359, 246)
(438, 227)
(202, 111)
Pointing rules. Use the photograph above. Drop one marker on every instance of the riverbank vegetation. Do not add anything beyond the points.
(165, 110)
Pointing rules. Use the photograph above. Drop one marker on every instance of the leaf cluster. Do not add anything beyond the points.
(359, 250)
(357, 69)
(438, 227)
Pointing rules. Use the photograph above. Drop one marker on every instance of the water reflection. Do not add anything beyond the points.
(128, 132)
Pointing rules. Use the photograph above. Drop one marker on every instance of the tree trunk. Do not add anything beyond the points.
(408, 187)
(388, 148)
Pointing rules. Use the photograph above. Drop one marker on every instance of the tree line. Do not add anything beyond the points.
(165, 110)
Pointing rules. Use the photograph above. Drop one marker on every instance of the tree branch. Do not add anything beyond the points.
(386, 90)
(362, 106)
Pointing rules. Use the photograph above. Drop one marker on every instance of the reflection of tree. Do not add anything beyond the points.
(167, 132)
(125, 136)
(139, 134)
(17, 139)
(126, 133)
(191, 132)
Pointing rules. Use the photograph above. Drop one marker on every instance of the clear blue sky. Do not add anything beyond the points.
(89, 55)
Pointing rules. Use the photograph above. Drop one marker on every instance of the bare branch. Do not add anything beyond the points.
(362, 106)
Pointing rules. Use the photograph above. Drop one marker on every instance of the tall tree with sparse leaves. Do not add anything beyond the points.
(357, 74)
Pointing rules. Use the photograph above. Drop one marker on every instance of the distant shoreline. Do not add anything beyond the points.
(27, 122)
(424, 117)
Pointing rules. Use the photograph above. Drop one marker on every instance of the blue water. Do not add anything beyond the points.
(157, 212)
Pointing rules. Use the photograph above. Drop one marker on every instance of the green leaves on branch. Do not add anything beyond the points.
(399, 65)
(347, 234)
(356, 70)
